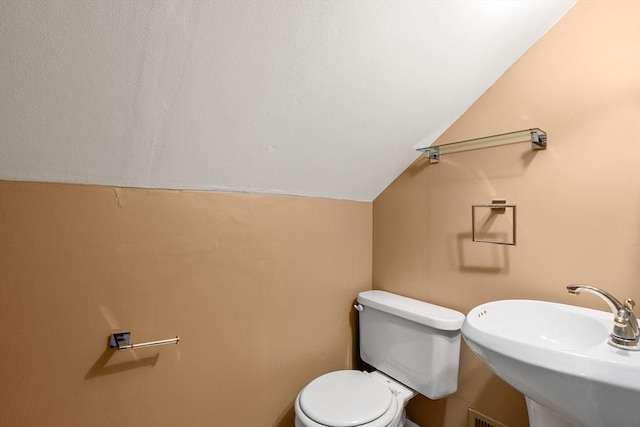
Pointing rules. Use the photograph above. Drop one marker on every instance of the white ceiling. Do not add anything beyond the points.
(315, 98)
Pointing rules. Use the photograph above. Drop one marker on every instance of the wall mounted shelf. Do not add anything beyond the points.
(537, 138)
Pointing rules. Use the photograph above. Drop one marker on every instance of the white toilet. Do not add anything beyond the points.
(416, 348)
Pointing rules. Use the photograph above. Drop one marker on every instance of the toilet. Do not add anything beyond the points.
(414, 347)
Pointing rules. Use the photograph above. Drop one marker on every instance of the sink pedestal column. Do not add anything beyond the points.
(539, 416)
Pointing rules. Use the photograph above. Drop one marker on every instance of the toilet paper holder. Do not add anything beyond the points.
(122, 341)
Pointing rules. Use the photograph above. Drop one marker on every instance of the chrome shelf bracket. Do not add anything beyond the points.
(538, 139)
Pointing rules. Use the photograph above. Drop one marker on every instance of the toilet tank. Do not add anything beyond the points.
(414, 342)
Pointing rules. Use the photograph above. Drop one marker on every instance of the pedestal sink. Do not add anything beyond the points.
(557, 355)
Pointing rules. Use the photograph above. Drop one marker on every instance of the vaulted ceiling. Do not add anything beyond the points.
(314, 98)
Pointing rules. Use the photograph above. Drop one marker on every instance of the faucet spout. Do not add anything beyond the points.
(625, 334)
(611, 301)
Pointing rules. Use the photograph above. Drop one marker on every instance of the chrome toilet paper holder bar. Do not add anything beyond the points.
(122, 341)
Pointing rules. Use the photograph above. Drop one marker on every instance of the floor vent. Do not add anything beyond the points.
(476, 419)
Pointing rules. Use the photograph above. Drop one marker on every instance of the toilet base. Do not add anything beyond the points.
(409, 423)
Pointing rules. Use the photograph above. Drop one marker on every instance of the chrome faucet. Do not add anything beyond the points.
(625, 332)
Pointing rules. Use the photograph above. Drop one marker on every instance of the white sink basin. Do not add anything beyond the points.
(557, 355)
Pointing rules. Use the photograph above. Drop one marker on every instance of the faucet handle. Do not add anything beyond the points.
(621, 319)
(629, 304)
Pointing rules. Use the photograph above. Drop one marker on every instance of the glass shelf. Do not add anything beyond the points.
(537, 138)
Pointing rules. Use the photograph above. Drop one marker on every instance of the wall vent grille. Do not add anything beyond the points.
(476, 419)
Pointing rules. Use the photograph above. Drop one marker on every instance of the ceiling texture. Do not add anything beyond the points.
(313, 98)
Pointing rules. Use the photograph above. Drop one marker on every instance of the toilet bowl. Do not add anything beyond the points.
(415, 347)
(352, 398)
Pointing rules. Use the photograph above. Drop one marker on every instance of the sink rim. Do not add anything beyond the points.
(599, 362)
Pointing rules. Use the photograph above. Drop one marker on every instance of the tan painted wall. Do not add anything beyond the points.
(258, 287)
(578, 202)
(244, 278)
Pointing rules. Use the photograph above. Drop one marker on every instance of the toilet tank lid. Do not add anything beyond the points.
(421, 312)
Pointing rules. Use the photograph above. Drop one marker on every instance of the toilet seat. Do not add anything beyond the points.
(346, 399)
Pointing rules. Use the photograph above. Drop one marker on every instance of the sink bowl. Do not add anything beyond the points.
(557, 355)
